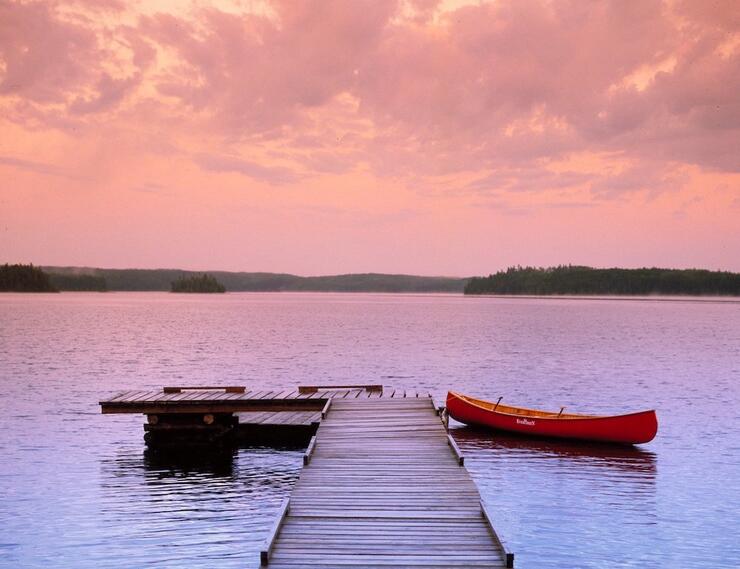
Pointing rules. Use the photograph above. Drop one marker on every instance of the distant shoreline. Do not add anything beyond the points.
(715, 298)
(562, 282)
(162, 279)
(707, 299)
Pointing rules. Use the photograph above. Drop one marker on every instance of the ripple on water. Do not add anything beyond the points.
(78, 490)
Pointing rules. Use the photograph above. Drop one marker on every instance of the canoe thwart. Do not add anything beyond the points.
(272, 537)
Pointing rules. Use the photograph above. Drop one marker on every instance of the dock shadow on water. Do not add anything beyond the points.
(195, 507)
(216, 462)
(184, 462)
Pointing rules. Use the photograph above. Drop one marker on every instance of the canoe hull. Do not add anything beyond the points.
(635, 428)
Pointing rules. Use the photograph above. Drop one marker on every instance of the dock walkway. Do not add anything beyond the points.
(383, 488)
(383, 484)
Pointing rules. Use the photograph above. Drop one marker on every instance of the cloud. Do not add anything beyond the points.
(526, 180)
(109, 92)
(407, 89)
(150, 188)
(44, 57)
(652, 178)
(270, 174)
(57, 61)
(37, 167)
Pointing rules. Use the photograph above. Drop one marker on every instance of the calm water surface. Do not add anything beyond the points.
(77, 489)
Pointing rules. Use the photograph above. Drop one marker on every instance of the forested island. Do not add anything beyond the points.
(24, 278)
(578, 280)
(198, 283)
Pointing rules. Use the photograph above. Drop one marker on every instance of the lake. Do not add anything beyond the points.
(78, 489)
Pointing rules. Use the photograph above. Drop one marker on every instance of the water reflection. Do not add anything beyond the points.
(76, 490)
(178, 462)
(257, 468)
(601, 495)
(177, 506)
(629, 459)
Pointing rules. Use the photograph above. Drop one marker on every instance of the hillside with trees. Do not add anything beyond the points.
(589, 281)
(24, 278)
(82, 282)
(161, 279)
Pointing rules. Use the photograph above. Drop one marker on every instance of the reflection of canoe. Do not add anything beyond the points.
(477, 443)
(633, 428)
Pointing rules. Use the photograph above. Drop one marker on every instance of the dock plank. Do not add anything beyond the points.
(384, 490)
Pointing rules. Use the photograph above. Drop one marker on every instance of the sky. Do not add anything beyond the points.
(323, 137)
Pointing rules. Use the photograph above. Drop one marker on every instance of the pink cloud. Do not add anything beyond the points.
(270, 174)
(483, 88)
(34, 166)
(44, 58)
(109, 92)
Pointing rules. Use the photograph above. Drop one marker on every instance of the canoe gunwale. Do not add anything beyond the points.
(534, 414)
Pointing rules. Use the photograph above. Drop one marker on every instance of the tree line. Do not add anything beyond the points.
(29, 278)
(24, 278)
(568, 279)
(78, 282)
(161, 279)
(197, 283)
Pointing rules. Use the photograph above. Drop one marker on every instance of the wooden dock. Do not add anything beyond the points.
(383, 484)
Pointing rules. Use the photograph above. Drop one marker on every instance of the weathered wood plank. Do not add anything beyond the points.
(507, 553)
(309, 451)
(380, 488)
(226, 388)
(272, 536)
(325, 410)
(313, 388)
(456, 450)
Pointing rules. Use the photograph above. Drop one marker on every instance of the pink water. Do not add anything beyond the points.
(78, 490)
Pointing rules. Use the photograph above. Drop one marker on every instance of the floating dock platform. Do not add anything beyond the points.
(383, 484)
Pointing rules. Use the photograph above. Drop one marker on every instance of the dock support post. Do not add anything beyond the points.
(444, 417)
(190, 429)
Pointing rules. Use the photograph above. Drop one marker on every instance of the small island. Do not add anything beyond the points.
(197, 283)
(579, 280)
(24, 278)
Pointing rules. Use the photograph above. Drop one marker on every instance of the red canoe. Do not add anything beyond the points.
(633, 428)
